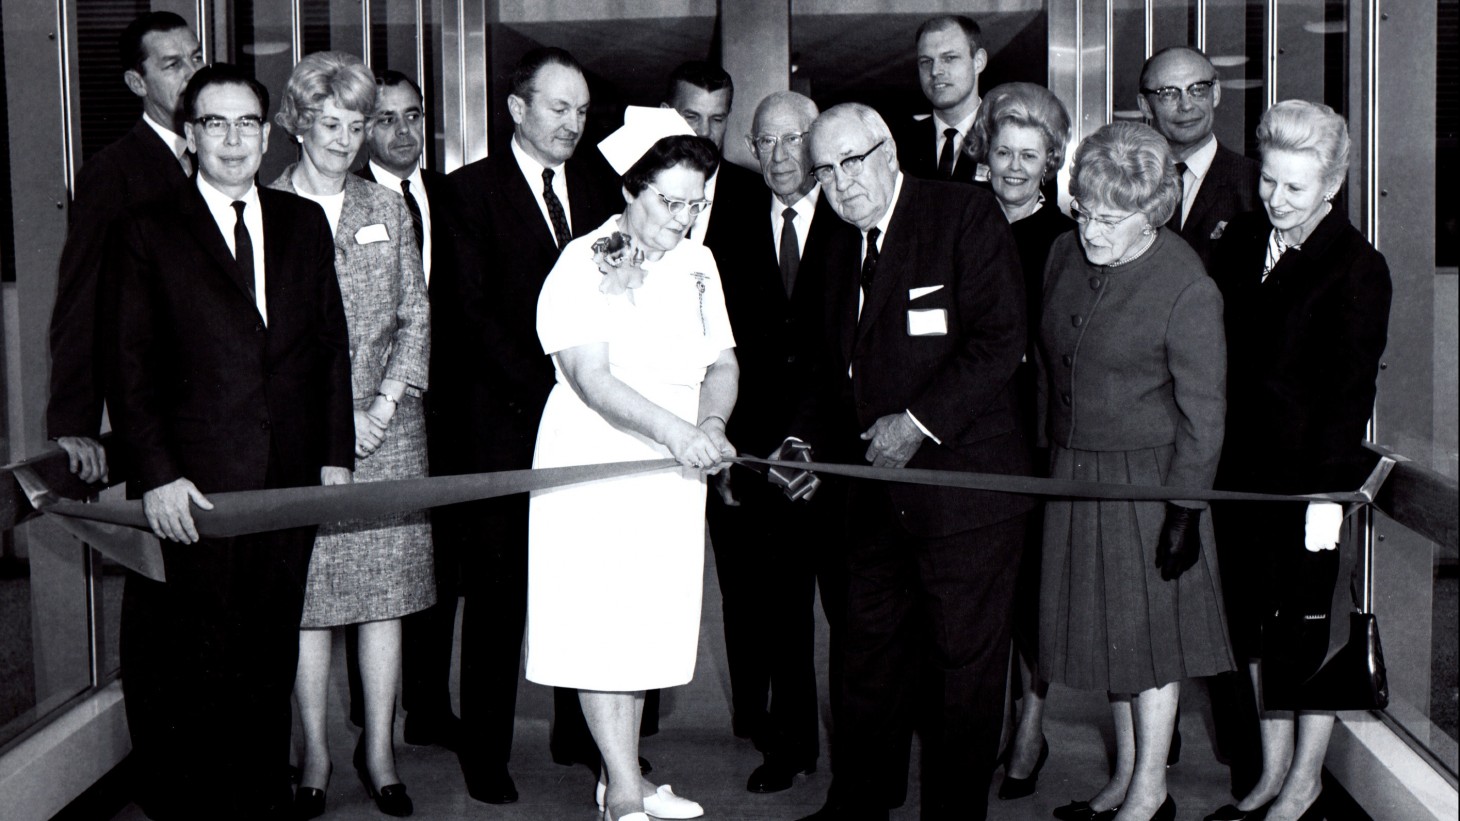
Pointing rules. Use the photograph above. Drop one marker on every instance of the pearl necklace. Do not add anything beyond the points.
(1137, 252)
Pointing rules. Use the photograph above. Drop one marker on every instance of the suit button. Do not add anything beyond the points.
(1068, 360)
(1077, 320)
(1065, 398)
(1095, 283)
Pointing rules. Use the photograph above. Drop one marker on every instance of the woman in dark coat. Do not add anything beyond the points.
(1307, 315)
(1020, 134)
(1133, 357)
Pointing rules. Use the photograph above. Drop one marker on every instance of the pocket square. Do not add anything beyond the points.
(1219, 230)
(927, 323)
(372, 233)
(914, 293)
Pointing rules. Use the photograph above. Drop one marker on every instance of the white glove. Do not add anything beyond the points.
(1324, 522)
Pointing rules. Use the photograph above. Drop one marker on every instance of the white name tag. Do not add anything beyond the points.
(914, 293)
(927, 323)
(372, 233)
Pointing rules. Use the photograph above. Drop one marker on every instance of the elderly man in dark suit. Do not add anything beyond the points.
(159, 54)
(230, 371)
(515, 210)
(950, 59)
(926, 328)
(397, 140)
(1180, 93)
(772, 247)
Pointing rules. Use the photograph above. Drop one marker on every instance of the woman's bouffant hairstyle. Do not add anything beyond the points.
(1128, 166)
(322, 76)
(1313, 128)
(1027, 105)
(693, 152)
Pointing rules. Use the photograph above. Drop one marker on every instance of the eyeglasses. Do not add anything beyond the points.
(389, 120)
(766, 143)
(677, 206)
(851, 166)
(1084, 218)
(216, 127)
(1171, 95)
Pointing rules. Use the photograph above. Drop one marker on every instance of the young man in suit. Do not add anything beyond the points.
(1180, 93)
(515, 210)
(703, 94)
(950, 59)
(926, 328)
(771, 249)
(158, 54)
(397, 140)
(229, 371)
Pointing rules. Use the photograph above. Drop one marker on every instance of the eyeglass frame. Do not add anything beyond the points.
(798, 136)
(1174, 93)
(1084, 218)
(853, 170)
(696, 207)
(245, 122)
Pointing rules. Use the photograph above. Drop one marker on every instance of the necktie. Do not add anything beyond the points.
(1175, 222)
(790, 250)
(945, 159)
(869, 263)
(415, 209)
(243, 249)
(555, 209)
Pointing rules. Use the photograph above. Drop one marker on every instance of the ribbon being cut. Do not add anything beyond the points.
(257, 511)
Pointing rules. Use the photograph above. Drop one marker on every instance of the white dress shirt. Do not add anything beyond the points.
(697, 229)
(418, 193)
(1197, 166)
(963, 126)
(532, 172)
(177, 142)
(805, 209)
(220, 205)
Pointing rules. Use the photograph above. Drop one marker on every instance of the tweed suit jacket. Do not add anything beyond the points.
(1228, 189)
(384, 290)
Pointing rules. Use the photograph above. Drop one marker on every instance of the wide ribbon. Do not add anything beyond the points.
(256, 511)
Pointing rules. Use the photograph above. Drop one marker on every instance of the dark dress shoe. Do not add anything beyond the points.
(1082, 811)
(1011, 788)
(308, 803)
(1229, 812)
(776, 774)
(493, 786)
(439, 731)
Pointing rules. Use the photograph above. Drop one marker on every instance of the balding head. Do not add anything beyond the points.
(777, 140)
(1186, 120)
(853, 133)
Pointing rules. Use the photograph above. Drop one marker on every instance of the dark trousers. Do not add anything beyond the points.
(937, 606)
(765, 557)
(208, 663)
(494, 615)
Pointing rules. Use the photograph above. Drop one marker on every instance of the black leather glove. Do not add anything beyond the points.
(1180, 544)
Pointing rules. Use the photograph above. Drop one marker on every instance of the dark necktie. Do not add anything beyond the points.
(869, 262)
(790, 250)
(945, 159)
(243, 249)
(555, 209)
(415, 209)
(1175, 222)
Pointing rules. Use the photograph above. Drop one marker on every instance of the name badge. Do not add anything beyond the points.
(372, 233)
(932, 322)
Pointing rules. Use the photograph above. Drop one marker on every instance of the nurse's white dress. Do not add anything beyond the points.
(615, 567)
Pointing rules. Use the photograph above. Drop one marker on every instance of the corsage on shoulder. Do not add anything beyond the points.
(620, 262)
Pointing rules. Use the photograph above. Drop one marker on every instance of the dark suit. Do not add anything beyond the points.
(917, 153)
(504, 249)
(931, 570)
(428, 635)
(200, 387)
(767, 550)
(1228, 189)
(136, 170)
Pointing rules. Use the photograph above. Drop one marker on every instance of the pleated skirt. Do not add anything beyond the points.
(1107, 620)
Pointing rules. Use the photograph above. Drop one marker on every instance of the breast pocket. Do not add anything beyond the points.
(925, 317)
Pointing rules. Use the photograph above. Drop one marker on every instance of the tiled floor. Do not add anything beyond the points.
(695, 752)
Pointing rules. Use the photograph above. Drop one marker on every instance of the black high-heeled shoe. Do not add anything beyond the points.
(1082, 811)
(1167, 810)
(308, 803)
(390, 799)
(1011, 788)
(1230, 812)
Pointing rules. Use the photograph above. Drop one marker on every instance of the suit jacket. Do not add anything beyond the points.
(1228, 189)
(200, 387)
(777, 337)
(734, 189)
(917, 153)
(132, 172)
(954, 240)
(504, 250)
(383, 288)
(1304, 349)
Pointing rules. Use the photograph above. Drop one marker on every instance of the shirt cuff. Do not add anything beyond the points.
(923, 427)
